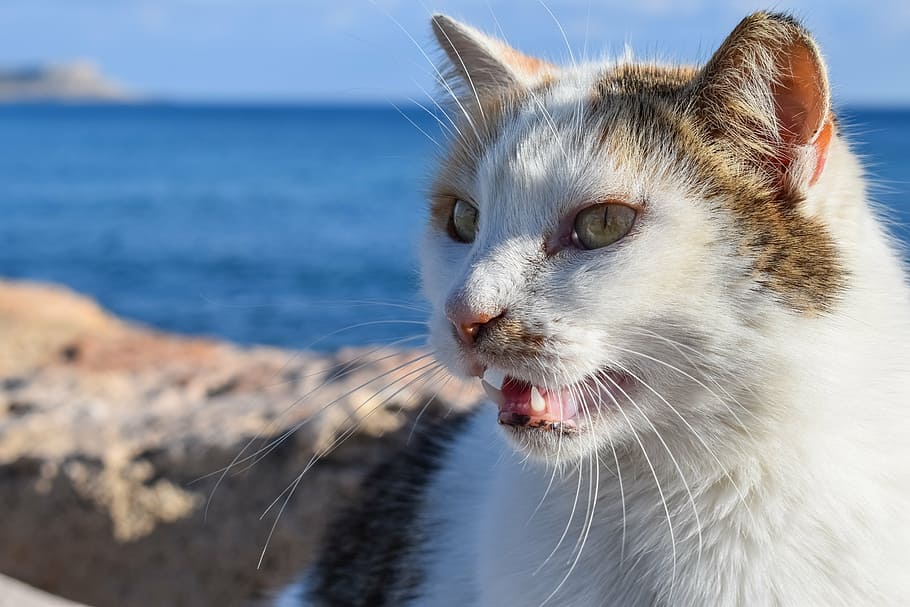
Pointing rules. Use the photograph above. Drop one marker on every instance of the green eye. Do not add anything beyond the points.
(602, 224)
(463, 223)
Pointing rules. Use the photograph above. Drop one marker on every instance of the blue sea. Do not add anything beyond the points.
(289, 226)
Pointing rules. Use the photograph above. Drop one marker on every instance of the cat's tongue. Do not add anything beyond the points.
(521, 404)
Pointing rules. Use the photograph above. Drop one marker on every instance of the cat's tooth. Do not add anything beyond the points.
(494, 378)
(569, 406)
(538, 403)
(494, 394)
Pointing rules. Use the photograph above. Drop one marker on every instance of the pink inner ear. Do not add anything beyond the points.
(521, 63)
(821, 149)
(800, 95)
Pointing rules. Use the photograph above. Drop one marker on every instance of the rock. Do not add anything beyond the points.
(78, 81)
(113, 439)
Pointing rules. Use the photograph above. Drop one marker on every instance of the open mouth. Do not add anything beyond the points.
(525, 405)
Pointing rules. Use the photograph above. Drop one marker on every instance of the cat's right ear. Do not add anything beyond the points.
(480, 64)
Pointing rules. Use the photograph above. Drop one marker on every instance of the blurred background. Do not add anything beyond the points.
(255, 170)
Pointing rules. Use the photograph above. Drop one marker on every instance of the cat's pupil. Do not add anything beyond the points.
(601, 225)
(463, 225)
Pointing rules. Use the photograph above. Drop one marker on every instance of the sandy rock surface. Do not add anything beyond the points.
(112, 438)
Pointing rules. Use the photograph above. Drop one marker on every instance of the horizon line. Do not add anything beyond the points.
(323, 102)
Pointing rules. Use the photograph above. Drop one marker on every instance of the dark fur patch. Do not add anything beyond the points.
(371, 554)
(508, 339)
(521, 422)
(645, 79)
(745, 150)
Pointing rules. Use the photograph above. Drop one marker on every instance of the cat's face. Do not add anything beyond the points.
(596, 250)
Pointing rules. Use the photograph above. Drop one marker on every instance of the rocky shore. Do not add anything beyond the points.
(113, 436)
(73, 82)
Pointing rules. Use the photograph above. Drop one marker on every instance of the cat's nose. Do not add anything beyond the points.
(467, 331)
(469, 324)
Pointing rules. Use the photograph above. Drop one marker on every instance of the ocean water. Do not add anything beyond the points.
(290, 226)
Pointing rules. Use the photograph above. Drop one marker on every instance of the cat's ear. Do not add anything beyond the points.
(764, 95)
(480, 64)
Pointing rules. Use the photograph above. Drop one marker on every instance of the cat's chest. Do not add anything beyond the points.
(507, 532)
(554, 539)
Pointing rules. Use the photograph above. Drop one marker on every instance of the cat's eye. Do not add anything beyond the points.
(601, 225)
(463, 222)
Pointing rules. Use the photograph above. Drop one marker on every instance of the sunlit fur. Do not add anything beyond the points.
(762, 456)
(777, 437)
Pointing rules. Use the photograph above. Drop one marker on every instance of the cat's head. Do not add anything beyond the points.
(607, 241)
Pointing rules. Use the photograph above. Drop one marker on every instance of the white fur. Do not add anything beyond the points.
(777, 474)
(803, 499)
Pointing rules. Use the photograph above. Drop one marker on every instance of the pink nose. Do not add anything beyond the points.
(468, 325)
(467, 331)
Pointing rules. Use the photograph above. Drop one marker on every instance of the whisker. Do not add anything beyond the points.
(561, 31)
(678, 347)
(292, 488)
(426, 405)
(365, 357)
(444, 113)
(622, 492)
(275, 422)
(565, 531)
(676, 465)
(415, 125)
(650, 464)
(359, 325)
(237, 459)
(622, 498)
(318, 303)
(697, 381)
(698, 437)
(433, 115)
(274, 444)
(426, 373)
(555, 459)
(593, 488)
(442, 79)
(467, 72)
(534, 97)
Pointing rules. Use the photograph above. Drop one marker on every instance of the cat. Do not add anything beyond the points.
(693, 330)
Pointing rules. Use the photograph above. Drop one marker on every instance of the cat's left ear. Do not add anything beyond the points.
(764, 97)
(481, 64)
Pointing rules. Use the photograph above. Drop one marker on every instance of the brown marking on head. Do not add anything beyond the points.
(761, 103)
(651, 80)
(755, 125)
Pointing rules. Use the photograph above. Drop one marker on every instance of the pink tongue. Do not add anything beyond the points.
(558, 406)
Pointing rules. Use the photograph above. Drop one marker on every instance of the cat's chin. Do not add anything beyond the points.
(543, 420)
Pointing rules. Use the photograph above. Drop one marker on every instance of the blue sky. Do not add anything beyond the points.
(353, 50)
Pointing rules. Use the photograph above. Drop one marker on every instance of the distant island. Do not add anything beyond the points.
(78, 81)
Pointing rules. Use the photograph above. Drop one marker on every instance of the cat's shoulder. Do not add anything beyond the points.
(372, 551)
